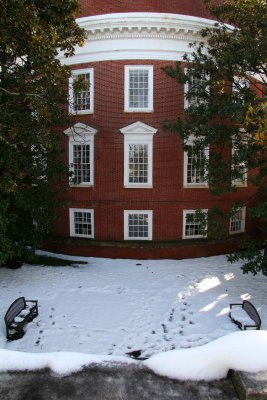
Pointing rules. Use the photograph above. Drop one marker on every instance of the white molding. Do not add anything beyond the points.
(89, 71)
(127, 69)
(138, 128)
(71, 222)
(126, 224)
(80, 130)
(120, 22)
(143, 36)
(185, 212)
(81, 134)
(195, 185)
(138, 133)
(242, 222)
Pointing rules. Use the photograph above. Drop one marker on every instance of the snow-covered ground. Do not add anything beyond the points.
(110, 307)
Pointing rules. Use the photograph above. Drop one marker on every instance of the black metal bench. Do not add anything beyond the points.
(242, 320)
(18, 315)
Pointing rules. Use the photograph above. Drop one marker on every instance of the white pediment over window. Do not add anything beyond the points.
(81, 130)
(138, 128)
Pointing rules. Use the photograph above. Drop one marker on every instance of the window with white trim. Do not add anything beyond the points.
(138, 88)
(82, 222)
(194, 85)
(195, 173)
(81, 154)
(81, 91)
(137, 225)
(194, 224)
(238, 169)
(138, 155)
(138, 163)
(237, 221)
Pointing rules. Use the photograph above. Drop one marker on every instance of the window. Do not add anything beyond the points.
(194, 224)
(81, 154)
(138, 87)
(81, 91)
(138, 163)
(195, 85)
(195, 173)
(82, 222)
(138, 149)
(81, 163)
(237, 221)
(138, 225)
(239, 171)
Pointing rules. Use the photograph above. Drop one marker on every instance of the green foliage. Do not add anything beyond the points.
(253, 256)
(227, 75)
(52, 261)
(32, 100)
(216, 223)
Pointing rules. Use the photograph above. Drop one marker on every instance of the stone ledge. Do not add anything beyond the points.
(116, 382)
(250, 386)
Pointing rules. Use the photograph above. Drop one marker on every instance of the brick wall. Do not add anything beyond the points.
(187, 7)
(108, 197)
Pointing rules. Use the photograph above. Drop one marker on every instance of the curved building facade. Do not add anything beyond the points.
(134, 191)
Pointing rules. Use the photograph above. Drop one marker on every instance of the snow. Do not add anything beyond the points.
(239, 351)
(175, 311)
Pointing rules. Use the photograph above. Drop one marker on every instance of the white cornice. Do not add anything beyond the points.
(138, 128)
(153, 23)
(80, 130)
(130, 36)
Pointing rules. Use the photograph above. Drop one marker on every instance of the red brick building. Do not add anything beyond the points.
(134, 190)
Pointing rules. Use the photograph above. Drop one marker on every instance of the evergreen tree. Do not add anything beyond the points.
(33, 95)
(226, 75)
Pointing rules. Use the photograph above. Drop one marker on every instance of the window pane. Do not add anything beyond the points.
(81, 163)
(81, 88)
(138, 163)
(82, 223)
(138, 226)
(236, 222)
(195, 166)
(138, 88)
(193, 225)
(196, 84)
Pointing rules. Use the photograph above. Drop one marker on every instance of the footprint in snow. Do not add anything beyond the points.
(165, 330)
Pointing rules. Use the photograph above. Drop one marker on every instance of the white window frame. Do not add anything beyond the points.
(138, 133)
(81, 134)
(127, 213)
(185, 213)
(187, 102)
(74, 73)
(241, 221)
(72, 212)
(127, 70)
(203, 184)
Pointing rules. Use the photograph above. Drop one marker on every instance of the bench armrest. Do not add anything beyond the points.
(32, 301)
(235, 304)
